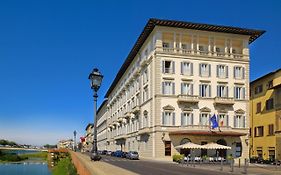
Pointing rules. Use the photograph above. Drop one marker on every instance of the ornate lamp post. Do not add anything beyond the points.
(96, 79)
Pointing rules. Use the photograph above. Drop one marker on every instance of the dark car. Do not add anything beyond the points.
(104, 152)
(118, 153)
(124, 155)
(133, 155)
(112, 153)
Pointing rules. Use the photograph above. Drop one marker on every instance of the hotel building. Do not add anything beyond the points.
(177, 75)
(265, 137)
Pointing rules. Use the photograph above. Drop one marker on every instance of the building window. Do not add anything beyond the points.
(258, 89)
(168, 67)
(204, 119)
(238, 149)
(167, 148)
(223, 120)
(145, 94)
(258, 107)
(186, 119)
(145, 76)
(270, 129)
(239, 72)
(186, 68)
(168, 88)
(222, 71)
(269, 104)
(259, 131)
(204, 70)
(186, 89)
(271, 154)
(168, 118)
(222, 91)
(239, 121)
(204, 90)
(166, 45)
(270, 84)
(239, 93)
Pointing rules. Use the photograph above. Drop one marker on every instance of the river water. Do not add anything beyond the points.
(25, 168)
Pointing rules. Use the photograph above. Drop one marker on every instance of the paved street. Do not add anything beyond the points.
(149, 167)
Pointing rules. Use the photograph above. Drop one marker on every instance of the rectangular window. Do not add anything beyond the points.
(204, 119)
(258, 89)
(168, 67)
(239, 93)
(259, 131)
(186, 119)
(222, 91)
(269, 104)
(186, 68)
(168, 118)
(167, 148)
(270, 84)
(145, 77)
(204, 90)
(204, 70)
(258, 107)
(270, 129)
(168, 88)
(145, 94)
(239, 72)
(222, 71)
(223, 120)
(239, 121)
(238, 150)
(186, 89)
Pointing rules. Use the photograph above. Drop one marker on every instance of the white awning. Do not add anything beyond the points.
(213, 145)
(189, 145)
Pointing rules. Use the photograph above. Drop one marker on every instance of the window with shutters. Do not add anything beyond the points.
(223, 120)
(259, 131)
(239, 72)
(168, 118)
(168, 88)
(167, 148)
(186, 119)
(222, 71)
(204, 119)
(168, 67)
(269, 104)
(258, 89)
(186, 68)
(239, 121)
(186, 89)
(204, 70)
(270, 129)
(258, 109)
(222, 91)
(205, 90)
(239, 93)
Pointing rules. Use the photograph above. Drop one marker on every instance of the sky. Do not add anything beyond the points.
(48, 48)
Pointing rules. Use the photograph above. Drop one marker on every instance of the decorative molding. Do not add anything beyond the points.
(169, 108)
(239, 111)
(205, 109)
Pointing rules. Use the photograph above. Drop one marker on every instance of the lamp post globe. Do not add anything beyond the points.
(96, 78)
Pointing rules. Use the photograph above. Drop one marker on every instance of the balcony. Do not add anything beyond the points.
(224, 101)
(127, 115)
(188, 99)
(143, 62)
(144, 130)
(136, 109)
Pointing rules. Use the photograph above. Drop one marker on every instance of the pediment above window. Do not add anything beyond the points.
(240, 111)
(169, 108)
(186, 108)
(205, 109)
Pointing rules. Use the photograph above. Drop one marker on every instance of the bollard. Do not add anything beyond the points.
(239, 163)
(232, 165)
(245, 166)
(221, 165)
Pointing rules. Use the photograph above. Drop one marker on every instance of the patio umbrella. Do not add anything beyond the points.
(189, 145)
(213, 145)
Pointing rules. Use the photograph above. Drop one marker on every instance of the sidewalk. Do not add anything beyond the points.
(101, 168)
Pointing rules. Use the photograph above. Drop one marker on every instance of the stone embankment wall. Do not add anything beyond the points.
(81, 168)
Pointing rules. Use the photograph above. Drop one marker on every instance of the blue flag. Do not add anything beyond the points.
(214, 121)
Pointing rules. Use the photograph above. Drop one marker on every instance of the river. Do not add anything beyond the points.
(34, 167)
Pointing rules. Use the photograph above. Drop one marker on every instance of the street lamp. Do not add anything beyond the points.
(74, 133)
(96, 79)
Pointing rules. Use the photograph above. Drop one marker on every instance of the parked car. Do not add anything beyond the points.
(104, 152)
(108, 153)
(124, 155)
(133, 155)
(118, 153)
(112, 153)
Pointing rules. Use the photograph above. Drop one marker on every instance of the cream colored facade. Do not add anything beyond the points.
(265, 140)
(88, 143)
(102, 127)
(151, 110)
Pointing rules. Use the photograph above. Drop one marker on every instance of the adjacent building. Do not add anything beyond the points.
(102, 126)
(65, 144)
(265, 133)
(87, 143)
(177, 75)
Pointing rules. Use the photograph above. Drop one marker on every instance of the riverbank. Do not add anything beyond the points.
(7, 156)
